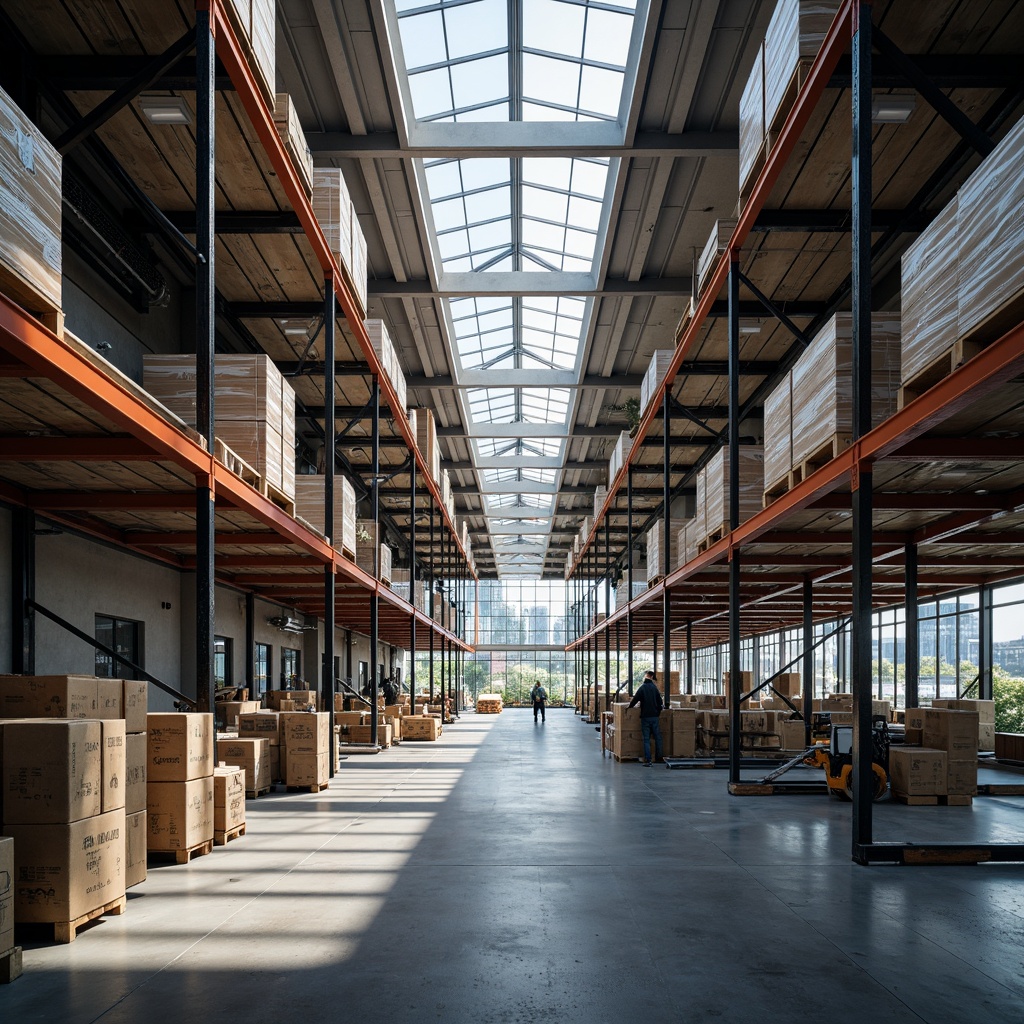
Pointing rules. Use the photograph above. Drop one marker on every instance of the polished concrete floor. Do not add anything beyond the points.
(509, 874)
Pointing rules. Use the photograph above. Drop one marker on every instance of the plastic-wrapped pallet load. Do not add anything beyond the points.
(751, 141)
(309, 505)
(823, 385)
(286, 119)
(655, 568)
(30, 212)
(383, 346)
(716, 483)
(426, 441)
(794, 37)
(332, 206)
(255, 25)
(778, 434)
(656, 370)
(620, 453)
(600, 496)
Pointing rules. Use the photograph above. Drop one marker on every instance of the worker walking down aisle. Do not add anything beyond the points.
(538, 695)
(648, 696)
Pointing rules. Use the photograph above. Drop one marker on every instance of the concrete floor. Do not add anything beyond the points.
(508, 874)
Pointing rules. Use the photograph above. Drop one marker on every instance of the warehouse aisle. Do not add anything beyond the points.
(507, 874)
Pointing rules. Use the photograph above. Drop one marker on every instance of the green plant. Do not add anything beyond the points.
(631, 407)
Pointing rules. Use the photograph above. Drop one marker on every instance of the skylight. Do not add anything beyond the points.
(543, 447)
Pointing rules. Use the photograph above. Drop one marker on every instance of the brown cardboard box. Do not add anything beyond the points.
(51, 770)
(135, 849)
(250, 754)
(109, 699)
(180, 814)
(276, 773)
(48, 697)
(229, 710)
(986, 708)
(305, 732)
(917, 771)
(228, 798)
(6, 894)
(347, 718)
(62, 871)
(961, 778)
(262, 725)
(956, 732)
(307, 769)
(913, 723)
(792, 733)
(287, 705)
(134, 704)
(135, 774)
(986, 736)
(113, 764)
(300, 697)
(180, 747)
(421, 727)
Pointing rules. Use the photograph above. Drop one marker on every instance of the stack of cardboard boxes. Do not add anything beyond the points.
(179, 787)
(228, 803)
(305, 748)
(252, 755)
(265, 725)
(944, 767)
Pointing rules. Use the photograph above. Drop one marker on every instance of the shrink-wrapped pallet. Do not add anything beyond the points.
(309, 505)
(990, 242)
(794, 37)
(332, 206)
(30, 212)
(286, 119)
(778, 433)
(930, 286)
(716, 244)
(655, 374)
(752, 123)
(359, 268)
(823, 385)
(716, 482)
(619, 455)
(426, 441)
(255, 26)
(655, 551)
(600, 496)
(384, 348)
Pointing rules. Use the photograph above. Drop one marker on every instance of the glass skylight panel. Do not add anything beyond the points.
(545, 405)
(492, 405)
(531, 501)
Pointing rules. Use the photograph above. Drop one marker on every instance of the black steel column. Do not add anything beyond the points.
(375, 512)
(666, 530)
(618, 655)
(607, 610)
(205, 338)
(23, 590)
(629, 578)
(985, 643)
(911, 632)
(412, 588)
(735, 687)
(445, 612)
(250, 644)
(433, 611)
(330, 429)
(861, 482)
(689, 656)
(808, 663)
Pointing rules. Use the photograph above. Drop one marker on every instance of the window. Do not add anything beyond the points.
(364, 668)
(262, 670)
(291, 665)
(222, 674)
(123, 636)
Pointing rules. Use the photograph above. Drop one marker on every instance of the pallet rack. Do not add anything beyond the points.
(884, 519)
(108, 464)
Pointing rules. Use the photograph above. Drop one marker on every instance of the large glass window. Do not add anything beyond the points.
(263, 670)
(222, 674)
(123, 636)
(291, 666)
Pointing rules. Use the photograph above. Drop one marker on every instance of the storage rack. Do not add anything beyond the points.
(110, 464)
(882, 520)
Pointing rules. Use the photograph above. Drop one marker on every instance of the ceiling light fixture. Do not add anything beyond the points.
(165, 109)
(893, 109)
(750, 325)
(300, 328)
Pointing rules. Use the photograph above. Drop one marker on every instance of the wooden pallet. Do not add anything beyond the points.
(21, 291)
(915, 800)
(956, 800)
(277, 496)
(11, 965)
(185, 856)
(319, 788)
(65, 931)
(225, 837)
(634, 757)
(236, 464)
(777, 490)
(252, 794)
(821, 456)
(941, 366)
(796, 81)
(713, 537)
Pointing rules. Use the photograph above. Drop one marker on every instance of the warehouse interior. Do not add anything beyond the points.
(365, 364)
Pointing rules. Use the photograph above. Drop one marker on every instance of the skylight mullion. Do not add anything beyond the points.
(586, 62)
(544, 220)
(442, 5)
(468, 59)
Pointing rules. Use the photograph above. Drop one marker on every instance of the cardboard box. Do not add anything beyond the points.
(310, 506)
(136, 848)
(180, 814)
(792, 733)
(986, 736)
(48, 697)
(180, 747)
(250, 754)
(264, 725)
(276, 773)
(917, 771)
(113, 764)
(307, 769)
(228, 797)
(421, 727)
(6, 893)
(63, 871)
(305, 732)
(913, 725)
(51, 771)
(961, 778)
(135, 774)
(134, 704)
(109, 699)
(955, 732)
(229, 710)
(299, 697)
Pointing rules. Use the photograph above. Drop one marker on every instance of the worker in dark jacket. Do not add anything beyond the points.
(648, 696)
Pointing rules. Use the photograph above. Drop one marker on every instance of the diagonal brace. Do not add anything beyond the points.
(774, 310)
